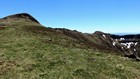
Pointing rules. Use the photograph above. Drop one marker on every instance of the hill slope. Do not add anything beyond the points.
(29, 50)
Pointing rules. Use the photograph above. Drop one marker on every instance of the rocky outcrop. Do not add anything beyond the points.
(104, 41)
(129, 45)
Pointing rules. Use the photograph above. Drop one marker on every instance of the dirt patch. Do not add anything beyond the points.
(5, 66)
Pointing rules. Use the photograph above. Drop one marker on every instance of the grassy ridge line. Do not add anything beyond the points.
(25, 55)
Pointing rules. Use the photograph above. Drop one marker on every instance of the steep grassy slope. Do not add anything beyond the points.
(30, 51)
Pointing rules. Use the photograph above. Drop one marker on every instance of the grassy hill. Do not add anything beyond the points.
(30, 51)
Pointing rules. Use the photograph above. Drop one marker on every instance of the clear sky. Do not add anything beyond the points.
(111, 16)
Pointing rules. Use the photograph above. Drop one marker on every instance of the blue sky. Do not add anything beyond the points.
(111, 16)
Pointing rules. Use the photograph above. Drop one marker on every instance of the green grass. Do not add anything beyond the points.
(28, 54)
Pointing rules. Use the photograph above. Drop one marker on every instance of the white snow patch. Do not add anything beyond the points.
(134, 49)
(122, 47)
(116, 39)
(124, 44)
(122, 39)
(104, 36)
(136, 43)
(128, 45)
(114, 43)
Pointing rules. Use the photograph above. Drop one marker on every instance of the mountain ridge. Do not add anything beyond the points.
(30, 50)
(98, 40)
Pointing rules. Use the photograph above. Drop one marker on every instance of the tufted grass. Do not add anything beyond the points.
(29, 54)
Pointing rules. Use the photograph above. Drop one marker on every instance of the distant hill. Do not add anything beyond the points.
(30, 50)
(124, 33)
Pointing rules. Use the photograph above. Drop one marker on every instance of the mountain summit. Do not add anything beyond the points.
(21, 16)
